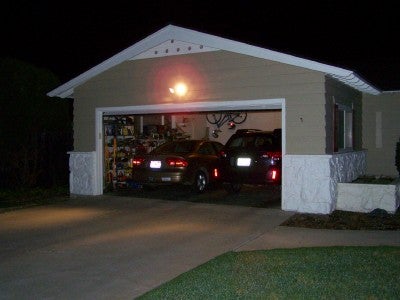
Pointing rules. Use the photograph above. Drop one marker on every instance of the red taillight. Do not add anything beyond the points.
(176, 162)
(222, 154)
(273, 174)
(137, 161)
(272, 155)
(215, 172)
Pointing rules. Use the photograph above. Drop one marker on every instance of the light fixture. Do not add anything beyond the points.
(180, 89)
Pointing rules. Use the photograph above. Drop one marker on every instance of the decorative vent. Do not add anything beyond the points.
(173, 47)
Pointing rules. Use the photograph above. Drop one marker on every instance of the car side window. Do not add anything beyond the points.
(236, 143)
(263, 142)
(217, 147)
(207, 149)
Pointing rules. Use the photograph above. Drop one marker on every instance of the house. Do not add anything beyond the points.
(334, 124)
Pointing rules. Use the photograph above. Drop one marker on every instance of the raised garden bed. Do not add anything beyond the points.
(368, 193)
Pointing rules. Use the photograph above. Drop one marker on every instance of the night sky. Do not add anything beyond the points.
(69, 38)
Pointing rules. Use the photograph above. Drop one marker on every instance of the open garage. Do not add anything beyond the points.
(173, 78)
(126, 135)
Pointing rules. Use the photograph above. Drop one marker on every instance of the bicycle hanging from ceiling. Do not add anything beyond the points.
(220, 118)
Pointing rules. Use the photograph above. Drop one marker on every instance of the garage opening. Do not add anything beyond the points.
(126, 135)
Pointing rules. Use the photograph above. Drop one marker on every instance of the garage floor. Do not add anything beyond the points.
(250, 196)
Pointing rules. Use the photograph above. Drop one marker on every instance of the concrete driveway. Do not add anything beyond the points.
(110, 247)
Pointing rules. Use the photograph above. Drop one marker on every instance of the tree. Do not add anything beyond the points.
(35, 130)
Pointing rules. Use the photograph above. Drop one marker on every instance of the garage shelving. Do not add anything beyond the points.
(128, 135)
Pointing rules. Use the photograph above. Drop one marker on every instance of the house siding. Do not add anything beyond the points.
(339, 93)
(216, 76)
(380, 139)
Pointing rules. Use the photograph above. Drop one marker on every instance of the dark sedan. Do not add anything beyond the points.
(187, 162)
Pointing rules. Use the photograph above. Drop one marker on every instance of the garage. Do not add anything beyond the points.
(138, 132)
(176, 76)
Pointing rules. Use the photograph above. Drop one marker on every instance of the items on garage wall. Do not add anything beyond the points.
(128, 135)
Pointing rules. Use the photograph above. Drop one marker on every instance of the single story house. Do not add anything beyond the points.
(335, 125)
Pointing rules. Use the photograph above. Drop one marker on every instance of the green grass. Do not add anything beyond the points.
(302, 273)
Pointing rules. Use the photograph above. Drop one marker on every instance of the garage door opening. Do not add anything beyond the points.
(130, 134)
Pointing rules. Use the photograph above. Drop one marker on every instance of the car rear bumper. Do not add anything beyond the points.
(247, 176)
(158, 177)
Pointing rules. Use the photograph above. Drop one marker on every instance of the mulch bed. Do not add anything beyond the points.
(375, 220)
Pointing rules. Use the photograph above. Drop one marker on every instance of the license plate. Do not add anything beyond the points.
(165, 179)
(243, 162)
(155, 164)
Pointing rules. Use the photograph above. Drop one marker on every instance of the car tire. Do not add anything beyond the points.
(233, 188)
(200, 182)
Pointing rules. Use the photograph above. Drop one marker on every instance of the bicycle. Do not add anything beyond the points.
(220, 118)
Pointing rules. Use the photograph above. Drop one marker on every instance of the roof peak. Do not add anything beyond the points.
(189, 36)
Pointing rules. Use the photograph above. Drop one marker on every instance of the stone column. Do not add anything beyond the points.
(82, 174)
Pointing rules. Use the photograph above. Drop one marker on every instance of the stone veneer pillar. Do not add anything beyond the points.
(310, 181)
(82, 176)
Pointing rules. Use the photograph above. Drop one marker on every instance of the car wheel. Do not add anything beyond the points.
(200, 182)
(233, 187)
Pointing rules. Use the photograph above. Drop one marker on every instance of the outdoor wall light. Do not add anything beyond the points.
(180, 89)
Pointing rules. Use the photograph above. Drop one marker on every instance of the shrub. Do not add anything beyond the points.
(397, 159)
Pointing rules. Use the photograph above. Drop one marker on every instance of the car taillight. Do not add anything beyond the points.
(273, 174)
(272, 155)
(215, 173)
(176, 162)
(137, 161)
(222, 154)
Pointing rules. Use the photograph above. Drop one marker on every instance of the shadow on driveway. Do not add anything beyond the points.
(250, 196)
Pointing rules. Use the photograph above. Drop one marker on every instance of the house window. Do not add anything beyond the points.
(343, 128)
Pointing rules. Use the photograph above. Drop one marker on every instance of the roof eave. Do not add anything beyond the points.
(174, 32)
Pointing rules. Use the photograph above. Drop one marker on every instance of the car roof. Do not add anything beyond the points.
(252, 132)
(256, 131)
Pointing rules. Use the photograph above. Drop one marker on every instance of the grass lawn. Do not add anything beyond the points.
(302, 273)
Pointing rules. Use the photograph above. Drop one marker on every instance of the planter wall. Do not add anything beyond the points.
(360, 197)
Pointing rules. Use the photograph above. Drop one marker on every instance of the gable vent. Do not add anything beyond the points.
(173, 47)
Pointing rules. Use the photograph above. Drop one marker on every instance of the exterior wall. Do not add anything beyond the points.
(214, 76)
(336, 92)
(381, 123)
(365, 198)
(310, 181)
(82, 167)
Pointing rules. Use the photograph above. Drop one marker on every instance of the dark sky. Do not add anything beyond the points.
(69, 38)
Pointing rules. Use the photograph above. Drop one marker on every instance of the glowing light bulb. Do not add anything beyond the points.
(180, 89)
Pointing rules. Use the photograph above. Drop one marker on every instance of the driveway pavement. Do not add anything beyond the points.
(111, 247)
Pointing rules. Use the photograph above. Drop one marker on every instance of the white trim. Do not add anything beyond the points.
(171, 32)
(99, 134)
(195, 106)
(260, 104)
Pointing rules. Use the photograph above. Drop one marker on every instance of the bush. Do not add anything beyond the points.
(397, 159)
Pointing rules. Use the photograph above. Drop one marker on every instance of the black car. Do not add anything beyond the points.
(187, 162)
(252, 156)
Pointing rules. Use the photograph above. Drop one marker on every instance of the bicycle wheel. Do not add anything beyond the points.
(214, 118)
(240, 117)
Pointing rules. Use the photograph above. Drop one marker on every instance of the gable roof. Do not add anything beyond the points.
(210, 43)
